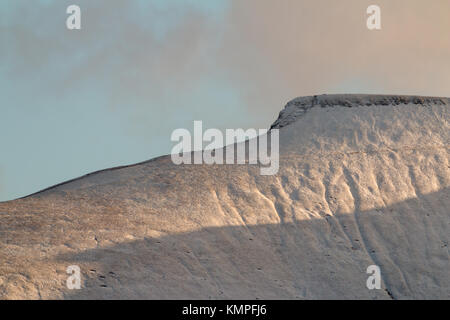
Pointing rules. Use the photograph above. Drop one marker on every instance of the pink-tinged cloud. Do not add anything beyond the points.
(281, 49)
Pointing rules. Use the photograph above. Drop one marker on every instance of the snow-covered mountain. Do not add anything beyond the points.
(363, 180)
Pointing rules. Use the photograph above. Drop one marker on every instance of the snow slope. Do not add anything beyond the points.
(363, 180)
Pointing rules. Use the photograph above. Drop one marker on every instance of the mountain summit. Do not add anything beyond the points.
(363, 180)
(298, 106)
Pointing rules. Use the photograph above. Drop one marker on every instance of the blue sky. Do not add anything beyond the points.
(59, 119)
(72, 102)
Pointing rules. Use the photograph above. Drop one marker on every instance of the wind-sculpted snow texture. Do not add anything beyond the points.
(363, 180)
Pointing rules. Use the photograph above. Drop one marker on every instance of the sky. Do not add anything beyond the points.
(110, 94)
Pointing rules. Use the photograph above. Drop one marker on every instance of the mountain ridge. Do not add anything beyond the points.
(300, 105)
(355, 187)
(291, 112)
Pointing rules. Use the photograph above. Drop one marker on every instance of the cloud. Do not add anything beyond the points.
(288, 48)
(154, 54)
